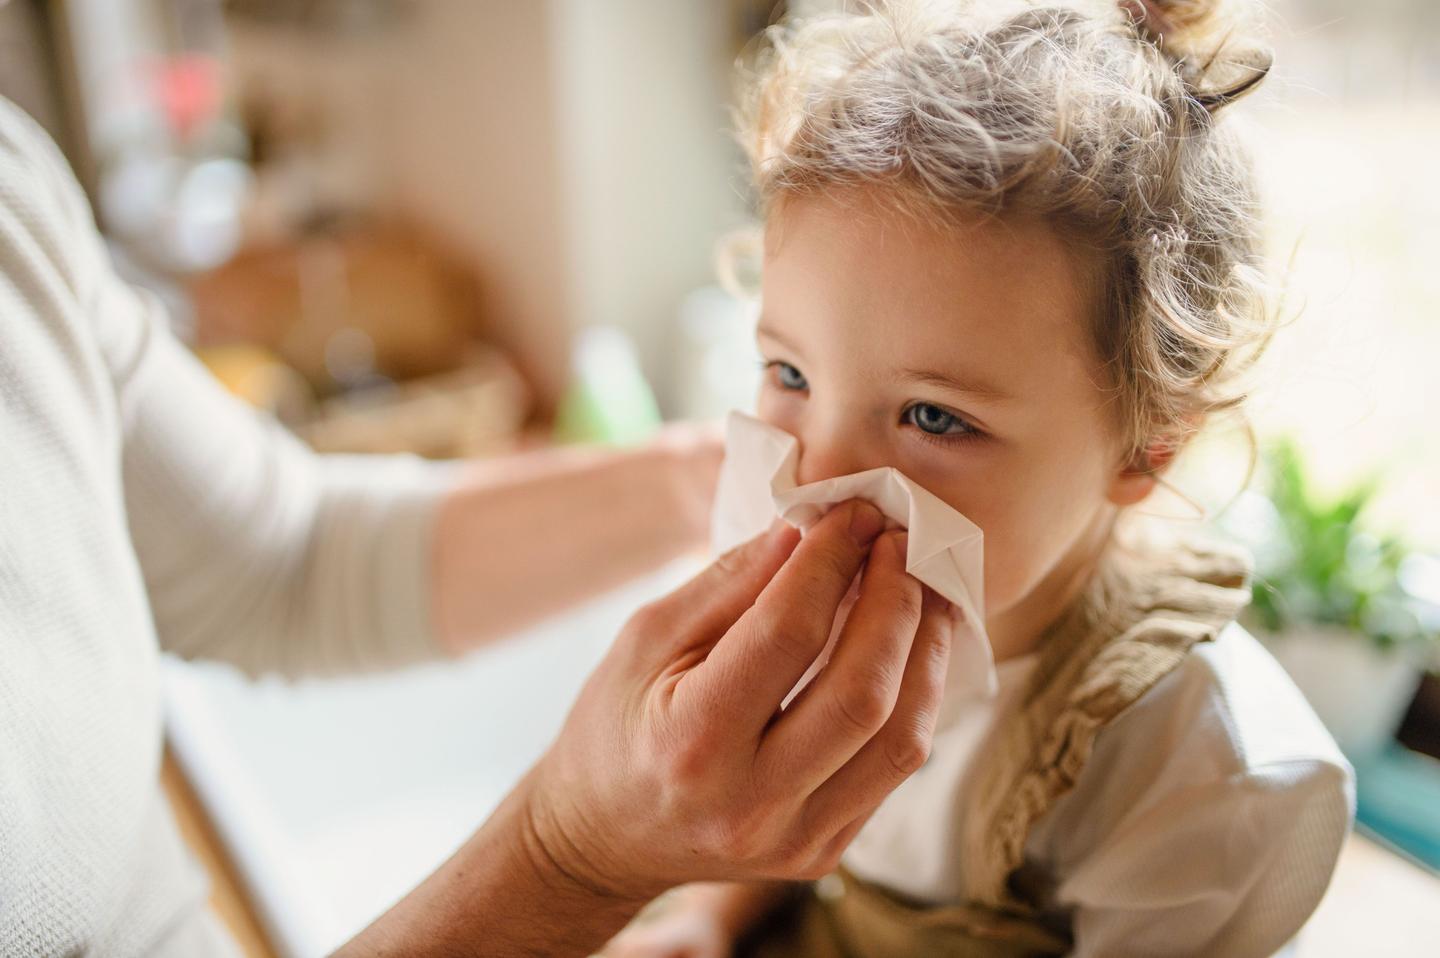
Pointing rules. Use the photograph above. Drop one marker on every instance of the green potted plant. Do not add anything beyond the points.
(1330, 604)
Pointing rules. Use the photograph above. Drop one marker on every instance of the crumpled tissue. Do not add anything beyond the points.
(945, 550)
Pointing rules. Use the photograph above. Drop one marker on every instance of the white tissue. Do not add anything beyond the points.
(946, 550)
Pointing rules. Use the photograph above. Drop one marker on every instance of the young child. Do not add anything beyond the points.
(1012, 251)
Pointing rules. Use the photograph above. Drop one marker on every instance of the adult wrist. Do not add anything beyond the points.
(555, 862)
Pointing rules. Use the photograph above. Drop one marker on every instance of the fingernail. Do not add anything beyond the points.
(778, 531)
(866, 523)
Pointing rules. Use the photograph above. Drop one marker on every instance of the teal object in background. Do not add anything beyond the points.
(609, 400)
(1397, 796)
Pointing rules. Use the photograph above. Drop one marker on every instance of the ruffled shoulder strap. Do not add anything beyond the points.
(1144, 610)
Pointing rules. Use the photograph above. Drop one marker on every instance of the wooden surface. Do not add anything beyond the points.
(227, 896)
(1379, 904)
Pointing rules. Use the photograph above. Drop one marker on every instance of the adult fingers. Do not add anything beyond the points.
(903, 743)
(759, 660)
(695, 615)
(854, 695)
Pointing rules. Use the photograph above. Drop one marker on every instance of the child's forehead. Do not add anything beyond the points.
(863, 226)
(850, 267)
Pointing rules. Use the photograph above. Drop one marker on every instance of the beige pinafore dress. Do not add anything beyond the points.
(1136, 622)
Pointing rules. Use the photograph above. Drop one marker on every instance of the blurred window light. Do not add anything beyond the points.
(1343, 134)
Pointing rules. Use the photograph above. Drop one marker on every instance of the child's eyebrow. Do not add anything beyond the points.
(970, 387)
(763, 329)
(976, 388)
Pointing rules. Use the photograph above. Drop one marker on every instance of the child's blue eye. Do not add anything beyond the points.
(789, 377)
(934, 420)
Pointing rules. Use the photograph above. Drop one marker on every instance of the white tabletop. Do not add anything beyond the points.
(335, 797)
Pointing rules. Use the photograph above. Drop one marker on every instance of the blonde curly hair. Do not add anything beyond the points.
(1100, 119)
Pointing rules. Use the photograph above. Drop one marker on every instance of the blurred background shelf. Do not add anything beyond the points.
(408, 170)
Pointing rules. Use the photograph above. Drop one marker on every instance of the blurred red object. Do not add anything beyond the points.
(190, 88)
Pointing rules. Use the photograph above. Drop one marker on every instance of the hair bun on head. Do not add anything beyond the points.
(1208, 42)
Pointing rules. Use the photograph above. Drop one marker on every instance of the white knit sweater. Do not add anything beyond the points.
(142, 509)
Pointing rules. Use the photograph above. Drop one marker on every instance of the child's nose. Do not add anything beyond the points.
(827, 457)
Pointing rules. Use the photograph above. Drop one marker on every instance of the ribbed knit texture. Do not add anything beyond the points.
(142, 508)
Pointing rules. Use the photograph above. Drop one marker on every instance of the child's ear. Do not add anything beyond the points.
(1138, 476)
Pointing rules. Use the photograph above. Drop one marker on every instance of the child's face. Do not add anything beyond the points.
(960, 356)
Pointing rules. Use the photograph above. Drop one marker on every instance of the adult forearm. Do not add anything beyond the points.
(526, 537)
(502, 895)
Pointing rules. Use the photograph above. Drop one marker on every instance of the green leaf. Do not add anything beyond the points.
(1331, 569)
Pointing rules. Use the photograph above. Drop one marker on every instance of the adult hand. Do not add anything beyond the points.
(674, 766)
(676, 763)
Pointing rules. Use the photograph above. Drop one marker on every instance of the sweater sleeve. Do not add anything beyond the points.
(254, 550)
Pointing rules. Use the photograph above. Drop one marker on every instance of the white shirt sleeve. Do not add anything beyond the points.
(254, 550)
(1231, 870)
(1208, 820)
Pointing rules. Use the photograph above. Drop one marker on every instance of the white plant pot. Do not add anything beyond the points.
(1359, 690)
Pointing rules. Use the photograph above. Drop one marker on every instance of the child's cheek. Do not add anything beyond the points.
(778, 409)
(958, 478)
(1007, 558)
(1001, 581)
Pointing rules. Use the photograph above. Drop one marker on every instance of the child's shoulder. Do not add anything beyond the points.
(1218, 785)
(1224, 741)
(1228, 707)
(1232, 707)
